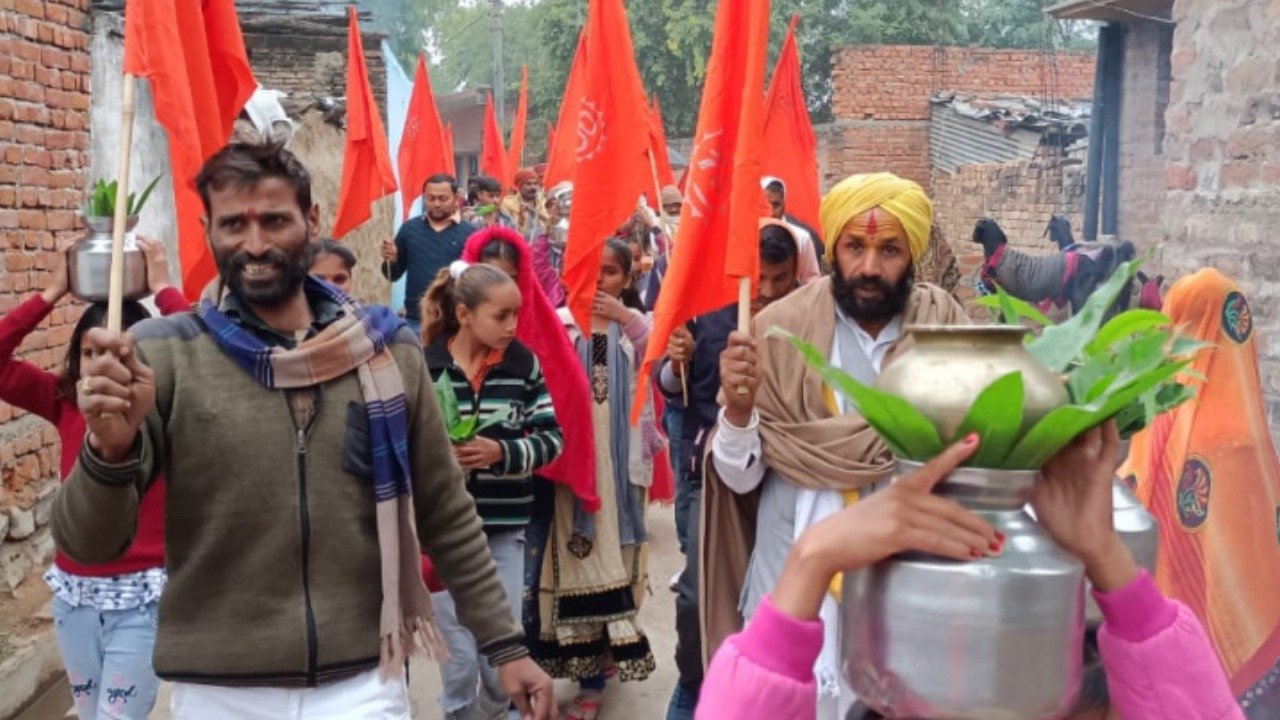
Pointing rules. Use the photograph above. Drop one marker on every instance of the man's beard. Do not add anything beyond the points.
(892, 300)
(439, 215)
(291, 272)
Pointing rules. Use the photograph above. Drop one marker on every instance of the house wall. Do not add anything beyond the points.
(44, 141)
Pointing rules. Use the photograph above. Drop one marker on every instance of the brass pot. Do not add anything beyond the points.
(947, 366)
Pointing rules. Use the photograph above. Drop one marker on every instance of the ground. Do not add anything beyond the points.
(623, 701)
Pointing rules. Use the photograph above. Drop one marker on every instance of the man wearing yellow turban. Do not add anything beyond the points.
(787, 453)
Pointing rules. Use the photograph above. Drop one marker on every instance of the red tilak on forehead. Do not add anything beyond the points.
(251, 214)
(872, 226)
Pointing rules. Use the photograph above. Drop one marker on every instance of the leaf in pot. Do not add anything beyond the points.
(996, 416)
(908, 433)
(1059, 345)
(1124, 325)
(1057, 429)
(1023, 309)
(136, 207)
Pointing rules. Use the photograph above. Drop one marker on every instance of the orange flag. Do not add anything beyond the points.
(422, 148)
(493, 157)
(560, 157)
(787, 125)
(515, 151)
(449, 162)
(366, 161)
(658, 139)
(551, 141)
(198, 86)
(719, 242)
(610, 168)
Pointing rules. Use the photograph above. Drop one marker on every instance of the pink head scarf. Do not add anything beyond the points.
(541, 330)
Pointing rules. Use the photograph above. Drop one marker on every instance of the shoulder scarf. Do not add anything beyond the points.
(357, 341)
(803, 439)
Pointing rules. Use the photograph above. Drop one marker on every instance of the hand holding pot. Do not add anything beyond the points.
(59, 277)
(905, 516)
(1073, 504)
(157, 264)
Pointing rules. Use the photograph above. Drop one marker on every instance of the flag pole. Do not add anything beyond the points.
(115, 292)
(662, 218)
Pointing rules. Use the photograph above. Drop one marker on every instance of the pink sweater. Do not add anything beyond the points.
(1158, 661)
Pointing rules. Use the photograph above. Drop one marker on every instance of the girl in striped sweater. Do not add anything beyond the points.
(469, 328)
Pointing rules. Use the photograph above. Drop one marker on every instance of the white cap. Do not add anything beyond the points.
(768, 180)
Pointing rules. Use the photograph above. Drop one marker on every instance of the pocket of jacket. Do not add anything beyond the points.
(357, 457)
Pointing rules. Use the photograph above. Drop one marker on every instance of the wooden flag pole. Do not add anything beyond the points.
(666, 226)
(115, 293)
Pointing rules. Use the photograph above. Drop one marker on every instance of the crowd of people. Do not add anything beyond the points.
(270, 502)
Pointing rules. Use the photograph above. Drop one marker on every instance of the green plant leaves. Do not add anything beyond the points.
(1059, 345)
(135, 205)
(102, 198)
(996, 416)
(1014, 310)
(448, 401)
(908, 433)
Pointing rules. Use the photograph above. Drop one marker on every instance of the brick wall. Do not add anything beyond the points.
(1021, 196)
(44, 103)
(306, 57)
(1145, 97)
(1222, 149)
(881, 97)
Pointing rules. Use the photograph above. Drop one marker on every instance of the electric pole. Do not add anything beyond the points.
(499, 88)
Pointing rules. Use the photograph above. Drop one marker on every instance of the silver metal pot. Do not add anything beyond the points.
(998, 638)
(1138, 531)
(89, 263)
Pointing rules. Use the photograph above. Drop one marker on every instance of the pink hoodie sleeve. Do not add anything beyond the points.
(1159, 663)
(765, 671)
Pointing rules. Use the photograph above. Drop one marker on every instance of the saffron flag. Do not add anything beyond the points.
(198, 87)
(423, 151)
(449, 162)
(787, 125)
(515, 149)
(658, 138)
(367, 174)
(493, 157)
(611, 168)
(560, 156)
(718, 241)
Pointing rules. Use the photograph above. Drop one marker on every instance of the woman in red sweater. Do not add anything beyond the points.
(105, 615)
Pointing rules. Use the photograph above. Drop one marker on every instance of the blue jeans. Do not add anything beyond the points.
(460, 698)
(107, 654)
(681, 450)
(683, 702)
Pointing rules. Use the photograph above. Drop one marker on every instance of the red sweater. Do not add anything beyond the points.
(35, 390)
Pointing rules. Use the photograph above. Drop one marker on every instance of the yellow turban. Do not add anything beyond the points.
(857, 194)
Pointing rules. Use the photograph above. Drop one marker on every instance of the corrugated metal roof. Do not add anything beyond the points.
(969, 129)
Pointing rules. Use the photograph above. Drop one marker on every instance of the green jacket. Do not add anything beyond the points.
(271, 544)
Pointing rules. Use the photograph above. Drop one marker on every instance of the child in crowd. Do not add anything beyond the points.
(104, 615)
(333, 263)
(470, 315)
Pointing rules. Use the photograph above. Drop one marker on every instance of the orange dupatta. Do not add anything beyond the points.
(1209, 473)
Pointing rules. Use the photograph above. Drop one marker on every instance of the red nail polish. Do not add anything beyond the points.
(997, 547)
(975, 554)
(971, 439)
(1000, 537)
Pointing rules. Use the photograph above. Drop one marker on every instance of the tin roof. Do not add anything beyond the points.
(971, 129)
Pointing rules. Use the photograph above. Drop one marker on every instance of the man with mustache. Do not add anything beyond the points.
(307, 463)
(788, 452)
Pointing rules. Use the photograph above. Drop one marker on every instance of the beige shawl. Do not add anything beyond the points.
(803, 439)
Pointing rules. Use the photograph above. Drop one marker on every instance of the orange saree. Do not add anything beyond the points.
(1209, 473)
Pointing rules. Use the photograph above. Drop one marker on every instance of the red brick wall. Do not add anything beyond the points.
(44, 137)
(881, 98)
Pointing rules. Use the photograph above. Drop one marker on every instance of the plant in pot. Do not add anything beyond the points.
(89, 263)
(1018, 617)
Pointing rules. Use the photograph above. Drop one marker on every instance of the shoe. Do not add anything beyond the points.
(675, 582)
(586, 706)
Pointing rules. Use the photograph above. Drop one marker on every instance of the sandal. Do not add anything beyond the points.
(585, 706)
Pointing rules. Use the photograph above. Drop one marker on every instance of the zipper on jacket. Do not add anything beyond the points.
(305, 519)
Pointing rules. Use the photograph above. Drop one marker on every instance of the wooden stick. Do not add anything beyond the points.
(115, 292)
(744, 305)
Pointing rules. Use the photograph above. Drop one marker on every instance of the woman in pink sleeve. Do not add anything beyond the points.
(1157, 658)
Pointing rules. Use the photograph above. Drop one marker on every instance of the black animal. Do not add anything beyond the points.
(1063, 278)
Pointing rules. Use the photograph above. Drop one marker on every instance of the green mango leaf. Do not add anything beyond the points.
(1060, 345)
(908, 433)
(1023, 309)
(1124, 325)
(136, 207)
(1062, 425)
(464, 431)
(996, 416)
(448, 401)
